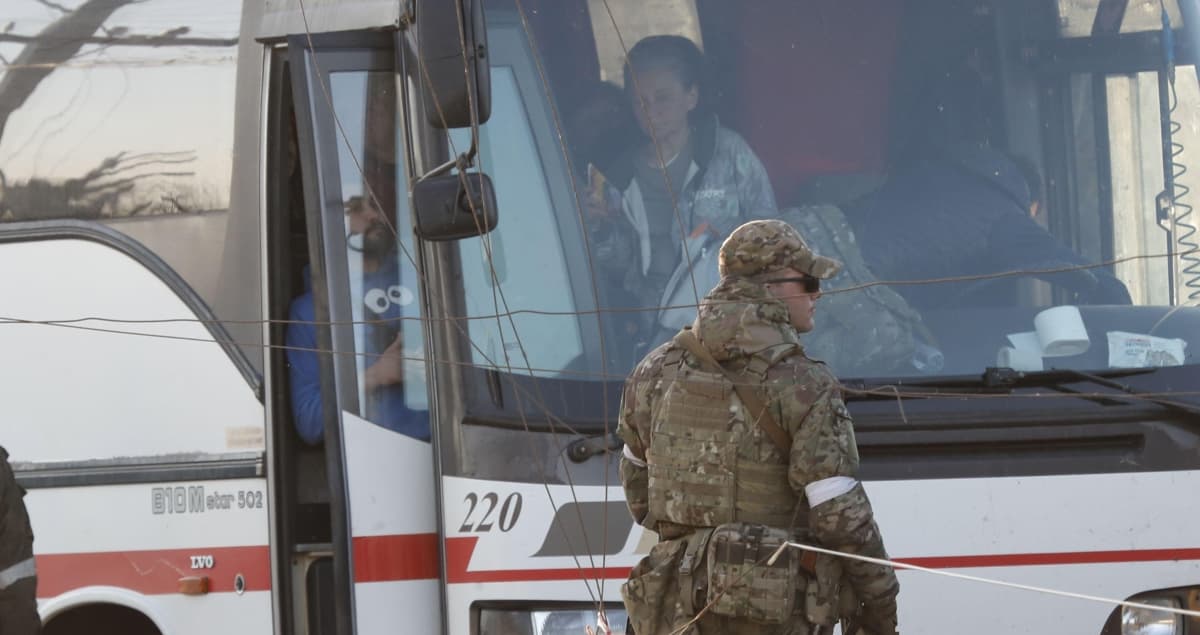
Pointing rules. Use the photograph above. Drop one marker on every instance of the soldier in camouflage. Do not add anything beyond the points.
(18, 574)
(696, 459)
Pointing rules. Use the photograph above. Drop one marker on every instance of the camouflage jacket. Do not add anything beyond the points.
(16, 536)
(737, 320)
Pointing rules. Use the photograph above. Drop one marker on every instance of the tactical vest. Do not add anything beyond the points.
(710, 462)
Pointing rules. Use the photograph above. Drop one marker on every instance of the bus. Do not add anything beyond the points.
(191, 283)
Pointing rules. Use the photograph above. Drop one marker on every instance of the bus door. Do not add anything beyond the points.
(1125, 82)
(369, 390)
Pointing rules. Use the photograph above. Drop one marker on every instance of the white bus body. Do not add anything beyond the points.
(174, 174)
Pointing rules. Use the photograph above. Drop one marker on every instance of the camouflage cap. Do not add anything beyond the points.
(766, 246)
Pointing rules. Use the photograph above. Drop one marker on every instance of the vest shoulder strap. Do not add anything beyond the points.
(741, 384)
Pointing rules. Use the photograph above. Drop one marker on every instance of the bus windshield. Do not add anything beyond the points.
(1005, 183)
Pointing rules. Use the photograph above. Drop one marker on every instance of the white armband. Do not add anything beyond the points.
(828, 489)
(628, 454)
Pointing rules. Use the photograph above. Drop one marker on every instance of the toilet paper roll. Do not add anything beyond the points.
(1061, 331)
(1018, 359)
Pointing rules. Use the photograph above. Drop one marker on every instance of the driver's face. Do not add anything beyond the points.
(367, 220)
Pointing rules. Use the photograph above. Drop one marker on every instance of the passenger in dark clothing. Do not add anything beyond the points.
(18, 574)
(966, 213)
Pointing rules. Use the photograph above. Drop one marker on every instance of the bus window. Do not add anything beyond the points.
(972, 173)
(382, 286)
(1078, 18)
(1135, 123)
(134, 129)
(522, 266)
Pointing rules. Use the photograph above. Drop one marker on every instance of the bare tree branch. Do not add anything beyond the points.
(56, 44)
(164, 39)
(57, 7)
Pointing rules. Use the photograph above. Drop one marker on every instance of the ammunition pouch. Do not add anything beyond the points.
(741, 583)
(823, 595)
(689, 565)
(650, 592)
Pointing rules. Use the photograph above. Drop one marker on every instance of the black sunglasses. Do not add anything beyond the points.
(811, 284)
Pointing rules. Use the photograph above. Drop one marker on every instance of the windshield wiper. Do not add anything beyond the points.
(1059, 376)
(1005, 380)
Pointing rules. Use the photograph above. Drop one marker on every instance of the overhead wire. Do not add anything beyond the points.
(900, 564)
(771, 559)
(368, 187)
(498, 298)
(498, 292)
(675, 206)
(518, 389)
(507, 312)
(658, 151)
(622, 310)
(908, 392)
(595, 289)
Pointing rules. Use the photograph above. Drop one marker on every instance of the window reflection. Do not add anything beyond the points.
(964, 197)
(528, 270)
(134, 128)
(383, 285)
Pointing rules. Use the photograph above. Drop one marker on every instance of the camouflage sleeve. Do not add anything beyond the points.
(633, 427)
(823, 442)
(16, 534)
(824, 447)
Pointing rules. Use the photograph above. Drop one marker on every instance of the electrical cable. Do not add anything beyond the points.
(619, 310)
(498, 292)
(1182, 211)
(897, 564)
(498, 299)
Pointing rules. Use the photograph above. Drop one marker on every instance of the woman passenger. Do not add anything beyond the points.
(686, 177)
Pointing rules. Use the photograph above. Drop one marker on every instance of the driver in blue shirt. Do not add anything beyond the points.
(379, 337)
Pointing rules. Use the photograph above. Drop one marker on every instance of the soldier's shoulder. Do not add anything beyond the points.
(807, 374)
(652, 364)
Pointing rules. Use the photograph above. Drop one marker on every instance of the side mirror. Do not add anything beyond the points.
(446, 89)
(446, 210)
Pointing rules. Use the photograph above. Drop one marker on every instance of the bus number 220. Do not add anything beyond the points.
(505, 519)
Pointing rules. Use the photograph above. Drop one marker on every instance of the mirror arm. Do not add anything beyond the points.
(462, 162)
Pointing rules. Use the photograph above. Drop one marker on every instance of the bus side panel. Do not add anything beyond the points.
(139, 437)
(135, 373)
(1095, 534)
(394, 526)
(133, 544)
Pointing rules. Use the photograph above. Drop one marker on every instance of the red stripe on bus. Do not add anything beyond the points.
(415, 557)
(154, 572)
(460, 550)
(396, 557)
(1066, 557)
(458, 559)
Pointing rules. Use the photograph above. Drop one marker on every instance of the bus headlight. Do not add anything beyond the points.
(563, 619)
(1139, 621)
